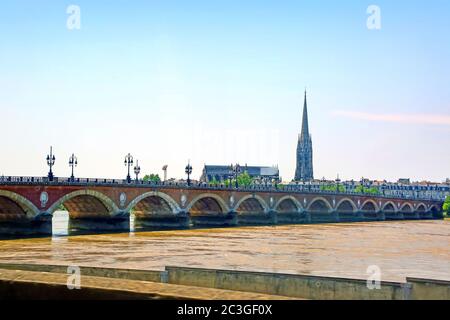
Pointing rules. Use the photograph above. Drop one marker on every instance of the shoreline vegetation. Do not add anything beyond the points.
(446, 208)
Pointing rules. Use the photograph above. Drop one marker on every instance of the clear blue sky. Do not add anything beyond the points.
(222, 81)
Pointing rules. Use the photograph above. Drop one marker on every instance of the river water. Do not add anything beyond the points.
(399, 249)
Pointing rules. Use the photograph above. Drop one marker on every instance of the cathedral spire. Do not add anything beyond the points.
(305, 128)
(304, 169)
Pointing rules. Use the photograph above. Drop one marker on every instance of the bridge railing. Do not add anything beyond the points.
(20, 180)
(12, 179)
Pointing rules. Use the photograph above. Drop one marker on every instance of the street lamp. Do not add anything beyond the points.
(128, 162)
(275, 182)
(137, 169)
(337, 183)
(236, 170)
(188, 171)
(50, 163)
(230, 176)
(73, 161)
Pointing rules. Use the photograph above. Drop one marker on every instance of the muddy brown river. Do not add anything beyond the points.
(399, 249)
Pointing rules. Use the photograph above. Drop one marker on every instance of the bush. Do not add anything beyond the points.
(446, 207)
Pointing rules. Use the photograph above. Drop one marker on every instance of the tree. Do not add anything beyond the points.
(244, 179)
(333, 188)
(446, 206)
(152, 178)
(362, 189)
(214, 182)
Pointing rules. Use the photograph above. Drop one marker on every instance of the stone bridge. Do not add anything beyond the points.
(27, 206)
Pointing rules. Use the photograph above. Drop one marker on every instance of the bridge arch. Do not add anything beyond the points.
(435, 211)
(319, 203)
(320, 210)
(389, 207)
(162, 201)
(13, 204)
(87, 202)
(421, 207)
(370, 210)
(346, 205)
(434, 207)
(207, 203)
(370, 206)
(407, 207)
(287, 202)
(251, 202)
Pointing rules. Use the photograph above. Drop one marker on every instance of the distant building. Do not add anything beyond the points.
(221, 173)
(405, 188)
(304, 169)
(423, 189)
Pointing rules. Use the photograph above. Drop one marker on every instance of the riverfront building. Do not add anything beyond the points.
(403, 188)
(259, 174)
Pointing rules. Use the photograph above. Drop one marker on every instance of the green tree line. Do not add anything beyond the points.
(332, 188)
(151, 177)
(362, 189)
(243, 179)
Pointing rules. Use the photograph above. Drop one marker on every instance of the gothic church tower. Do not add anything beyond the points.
(304, 170)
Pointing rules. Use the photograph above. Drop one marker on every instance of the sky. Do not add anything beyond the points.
(220, 82)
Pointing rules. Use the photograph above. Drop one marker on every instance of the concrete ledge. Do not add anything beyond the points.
(15, 284)
(429, 289)
(292, 285)
(130, 274)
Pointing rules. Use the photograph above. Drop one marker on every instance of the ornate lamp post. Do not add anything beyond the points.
(73, 161)
(50, 163)
(338, 181)
(137, 169)
(236, 170)
(362, 184)
(275, 183)
(188, 171)
(230, 175)
(128, 162)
